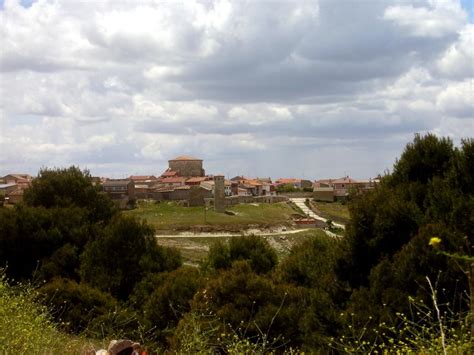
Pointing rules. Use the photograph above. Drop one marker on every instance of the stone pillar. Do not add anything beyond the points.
(219, 193)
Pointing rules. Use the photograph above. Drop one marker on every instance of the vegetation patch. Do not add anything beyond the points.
(27, 328)
(335, 211)
(171, 216)
(196, 249)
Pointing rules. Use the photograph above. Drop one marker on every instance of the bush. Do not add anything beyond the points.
(165, 298)
(256, 250)
(75, 305)
(26, 326)
(123, 255)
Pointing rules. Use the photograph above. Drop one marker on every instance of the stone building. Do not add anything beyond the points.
(122, 192)
(186, 166)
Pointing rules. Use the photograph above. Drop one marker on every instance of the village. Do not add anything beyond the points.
(185, 181)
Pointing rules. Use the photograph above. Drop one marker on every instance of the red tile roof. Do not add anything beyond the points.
(170, 180)
(142, 177)
(169, 172)
(197, 179)
(345, 180)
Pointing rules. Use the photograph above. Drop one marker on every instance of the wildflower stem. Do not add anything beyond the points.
(435, 303)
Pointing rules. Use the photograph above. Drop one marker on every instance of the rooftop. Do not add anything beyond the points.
(116, 183)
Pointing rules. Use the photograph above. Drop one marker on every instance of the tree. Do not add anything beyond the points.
(76, 305)
(69, 187)
(122, 255)
(164, 298)
(256, 250)
(387, 258)
(29, 236)
(243, 303)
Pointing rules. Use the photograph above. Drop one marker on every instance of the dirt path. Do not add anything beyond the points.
(259, 232)
(300, 202)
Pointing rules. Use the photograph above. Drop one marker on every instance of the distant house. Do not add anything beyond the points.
(23, 181)
(338, 189)
(209, 184)
(196, 181)
(15, 196)
(143, 179)
(170, 182)
(244, 191)
(121, 191)
(324, 193)
(5, 189)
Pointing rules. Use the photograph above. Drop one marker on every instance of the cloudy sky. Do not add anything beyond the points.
(312, 89)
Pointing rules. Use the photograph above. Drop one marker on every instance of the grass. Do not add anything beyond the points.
(332, 210)
(171, 216)
(26, 327)
(195, 249)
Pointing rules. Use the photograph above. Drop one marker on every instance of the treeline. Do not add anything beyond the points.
(103, 274)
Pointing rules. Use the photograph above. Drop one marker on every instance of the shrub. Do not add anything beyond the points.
(256, 250)
(26, 326)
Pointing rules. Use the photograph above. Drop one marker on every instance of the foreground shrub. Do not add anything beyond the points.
(26, 327)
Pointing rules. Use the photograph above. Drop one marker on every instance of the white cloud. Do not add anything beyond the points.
(457, 99)
(458, 60)
(438, 19)
(98, 83)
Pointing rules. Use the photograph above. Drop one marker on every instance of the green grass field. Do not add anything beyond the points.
(171, 216)
(195, 249)
(332, 210)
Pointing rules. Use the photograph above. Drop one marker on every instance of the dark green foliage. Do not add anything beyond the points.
(252, 305)
(311, 265)
(165, 298)
(254, 249)
(75, 305)
(66, 188)
(381, 223)
(64, 262)
(387, 257)
(426, 157)
(122, 255)
(29, 236)
(282, 188)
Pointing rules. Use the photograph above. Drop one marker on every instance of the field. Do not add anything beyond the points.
(195, 249)
(332, 210)
(166, 216)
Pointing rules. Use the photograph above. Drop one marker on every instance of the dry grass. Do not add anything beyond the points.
(195, 249)
(171, 216)
(332, 210)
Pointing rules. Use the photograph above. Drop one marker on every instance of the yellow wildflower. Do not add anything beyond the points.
(435, 241)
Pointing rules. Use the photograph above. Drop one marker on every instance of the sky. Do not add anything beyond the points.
(310, 89)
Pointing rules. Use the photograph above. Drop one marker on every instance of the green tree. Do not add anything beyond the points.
(76, 305)
(246, 304)
(29, 236)
(256, 250)
(311, 265)
(122, 255)
(164, 298)
(66, 188)
(387, 258)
